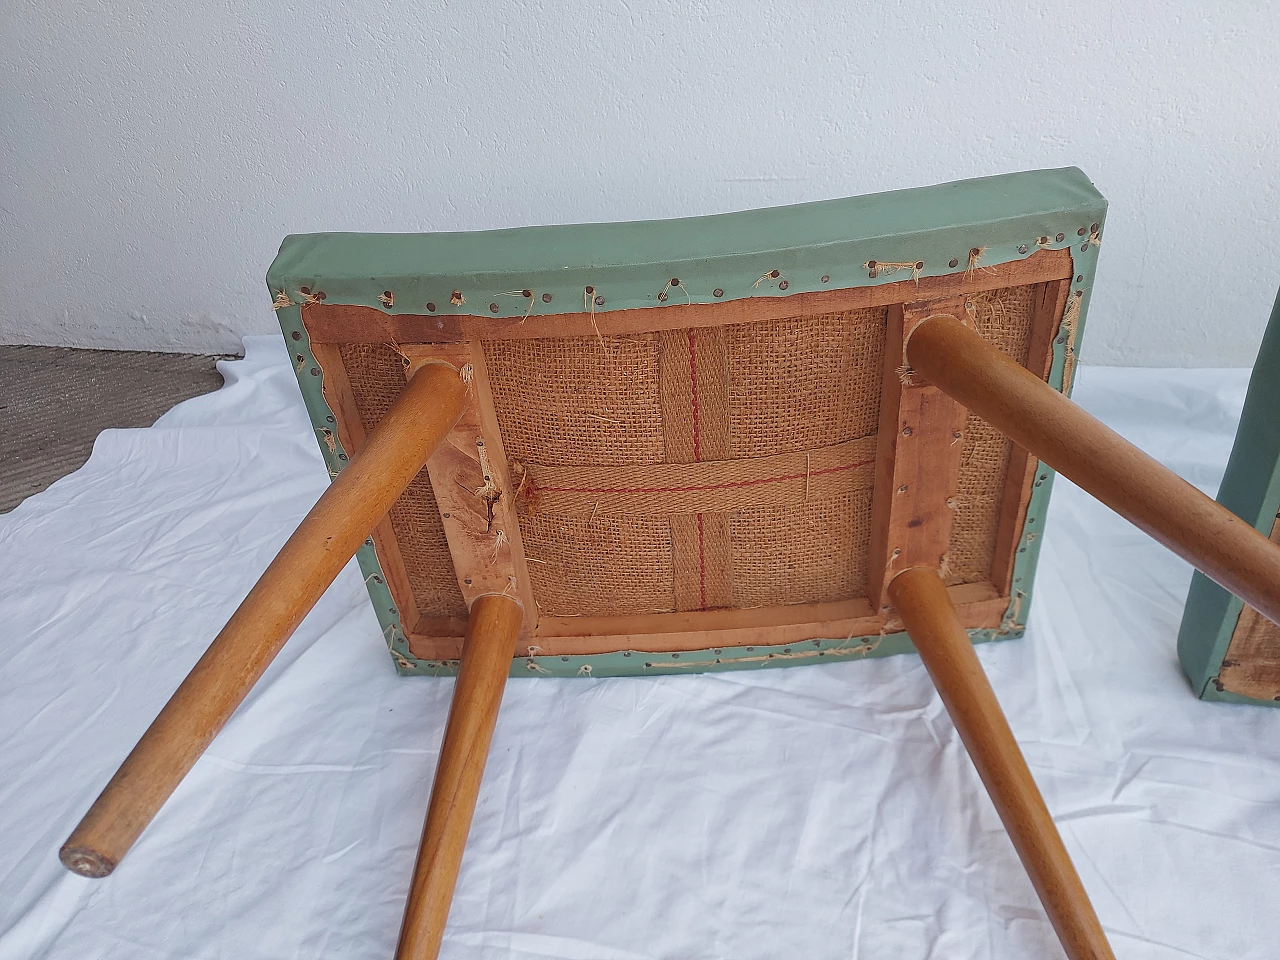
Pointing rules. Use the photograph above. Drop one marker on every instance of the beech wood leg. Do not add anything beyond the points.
(487, 652)
(1042, 421)
(930, 618)
(303, 569)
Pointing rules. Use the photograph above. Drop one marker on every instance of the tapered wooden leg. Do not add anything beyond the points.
(482, 675)
(930, 618)
(1049, 426)
(321, 546)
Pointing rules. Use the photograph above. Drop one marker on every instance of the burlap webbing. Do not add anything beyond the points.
(572, 400)
(797, 387)
(702, 561)
(600, 565)
(376, 374)
(715, 486)
(834, 535)
(805, 384)
(1003, 317)
(693, 380)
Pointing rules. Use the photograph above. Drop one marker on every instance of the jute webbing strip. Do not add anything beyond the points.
(717, 486)
(693, 377)
(702, 561)
(693, 382)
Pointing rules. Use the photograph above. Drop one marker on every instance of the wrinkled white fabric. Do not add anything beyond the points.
(816, 811)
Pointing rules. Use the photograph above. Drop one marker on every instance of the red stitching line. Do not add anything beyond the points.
(697, 455)
(709, 486)
(693, 378)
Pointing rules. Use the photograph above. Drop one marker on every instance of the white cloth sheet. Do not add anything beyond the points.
(815, 811)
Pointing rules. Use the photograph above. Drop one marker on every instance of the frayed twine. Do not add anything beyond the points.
(1095, 238)
(995, 310)
(468, 374)
(527, 294)
(1010, 620)
(387, 298)
(1070, 329)
(944, 566)
(281, 301)
(584, 670)
(771, 275)
(389, 636)
(525, 484)
(886, 268)
(975, 261)
(329, 440)
(498, 541)
(897, 552)
(531, 664)
(306, 297)
(845, 646)
(457, 299)
(404, 357)
(489, 492)
(589, 303)
(673, 282)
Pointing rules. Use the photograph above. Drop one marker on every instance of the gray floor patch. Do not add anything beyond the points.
(55, 400)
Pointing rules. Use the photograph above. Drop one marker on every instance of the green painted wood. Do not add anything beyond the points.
(1251, 490)
(629, 264)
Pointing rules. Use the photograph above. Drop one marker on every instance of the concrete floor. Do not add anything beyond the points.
(55, 400)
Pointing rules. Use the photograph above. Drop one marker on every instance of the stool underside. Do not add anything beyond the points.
(693, 478)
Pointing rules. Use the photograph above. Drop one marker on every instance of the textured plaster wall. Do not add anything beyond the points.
(153, 155)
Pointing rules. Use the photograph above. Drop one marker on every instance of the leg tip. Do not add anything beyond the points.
(85, 862)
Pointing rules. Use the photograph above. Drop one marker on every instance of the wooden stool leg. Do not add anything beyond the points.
(930, 618)
(1146, 493)
(321, 546)
(482, 675)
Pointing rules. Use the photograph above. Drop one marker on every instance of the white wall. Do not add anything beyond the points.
(155, 154)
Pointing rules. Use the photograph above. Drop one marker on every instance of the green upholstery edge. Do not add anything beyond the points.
(1251, 490)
